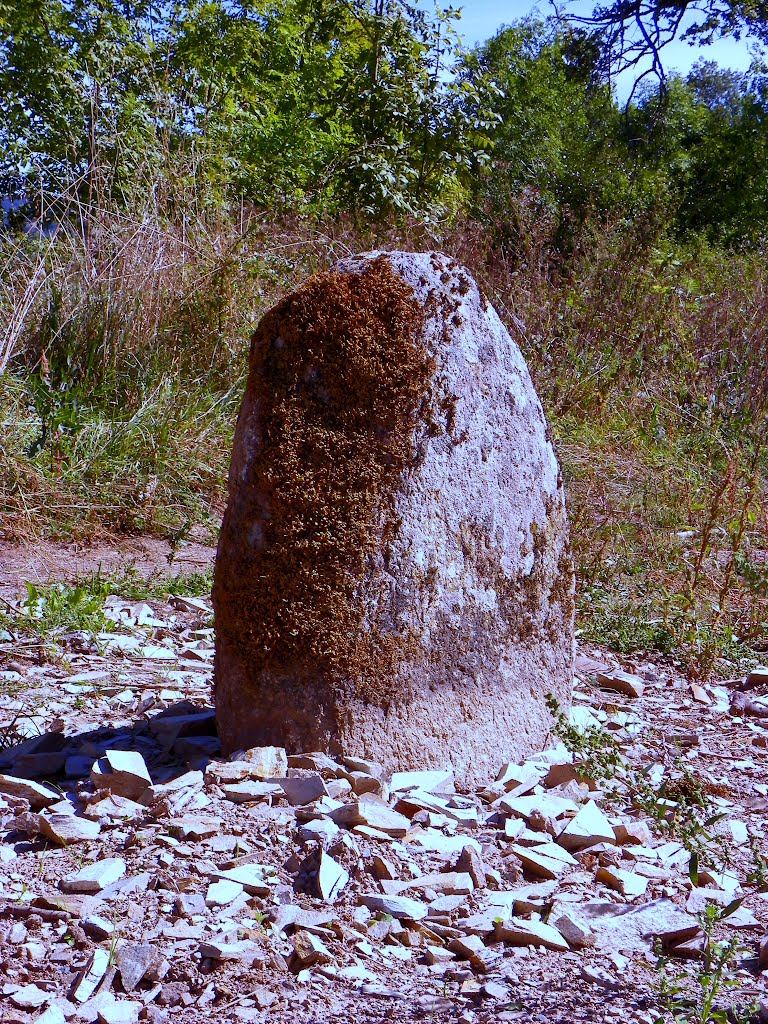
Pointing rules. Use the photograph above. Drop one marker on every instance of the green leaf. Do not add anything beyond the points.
(693, 868)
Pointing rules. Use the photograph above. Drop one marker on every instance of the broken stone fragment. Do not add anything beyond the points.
(562, 774)
(622, 682)
(431, 839)
(589, 827)
(519, 932)
(113, 808)
(267, 762)
(189, 904)
(370, 810)
(174, 787)
(635, 833)
(30, 997)
(316, 761)
(482, 923)
(473, 949)
(219, 894)
(134, 960)
(526, 899)
(700, 898)
(359, 764)
(91, 975)
(95, 877)
(735, 830)
(546, 805)
(251, 791)
(53, 1015)
(38, 796)
(446, 905)
(628, 927)
(322, 830)
(288, 915)
(309, 951)
(742, 917)
(413, 801)
(518, 779)
(438, 955)
(304, 789)
(194, 828)
(471, 863)
(757, 677)
(360, 783)
(576, 933)
(544, 861)
(98, 928)
(119, 1011)
(123, 772)
(321, 876)
(67, 828)
(628, 883)
(222, 773)
(243, 951)
(429, 781)
(450, 883)
(690, 949)
(253, 878)
(401, 907)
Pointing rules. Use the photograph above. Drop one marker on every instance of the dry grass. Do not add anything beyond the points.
(125, 343)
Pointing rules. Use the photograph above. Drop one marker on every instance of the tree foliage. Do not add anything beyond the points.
(371, 107)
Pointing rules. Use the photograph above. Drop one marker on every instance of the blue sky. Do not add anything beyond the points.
(481, 18)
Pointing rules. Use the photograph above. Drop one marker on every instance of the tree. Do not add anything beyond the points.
(558, 138)
(631, 32)
(303, 102)
(73, 87)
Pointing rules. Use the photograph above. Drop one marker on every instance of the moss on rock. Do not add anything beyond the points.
(342, 371)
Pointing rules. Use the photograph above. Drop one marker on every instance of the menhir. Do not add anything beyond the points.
(393, 577)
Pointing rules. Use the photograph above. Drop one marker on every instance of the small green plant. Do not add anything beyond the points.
(758, 876)
(690, 997)
(598, 753)
(113, 946)
(57, 608)
(681, 809)
(132, 584)
(678, 807)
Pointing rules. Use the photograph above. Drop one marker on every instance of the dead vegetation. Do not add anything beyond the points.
(127, 346)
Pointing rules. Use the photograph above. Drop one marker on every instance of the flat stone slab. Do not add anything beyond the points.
(95, 877)
(38, 796)
(67, 828)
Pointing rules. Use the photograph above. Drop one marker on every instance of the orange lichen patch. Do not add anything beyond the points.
(340, 371)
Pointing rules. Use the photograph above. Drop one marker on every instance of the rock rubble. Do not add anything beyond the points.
(171, 884)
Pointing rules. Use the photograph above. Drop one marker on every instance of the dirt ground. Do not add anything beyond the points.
(45, 561)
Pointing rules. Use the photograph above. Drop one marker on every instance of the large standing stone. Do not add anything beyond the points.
(393, 577)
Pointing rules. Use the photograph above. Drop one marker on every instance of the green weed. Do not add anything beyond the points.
(678, 808)
(690, 997)
(49, 611)
(57, 608)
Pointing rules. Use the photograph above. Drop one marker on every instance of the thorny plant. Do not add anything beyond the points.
(690, 997)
